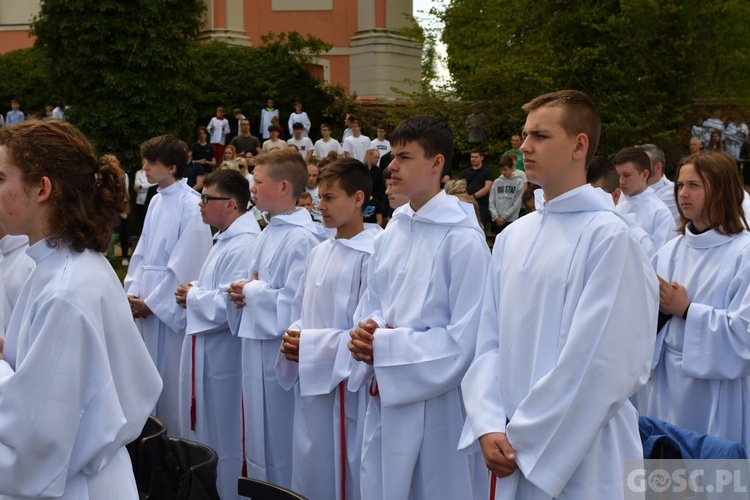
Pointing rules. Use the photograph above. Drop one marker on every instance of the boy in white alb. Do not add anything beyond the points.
(634, 168)
(546, 395)
(356, 145)
(418, 328)
(266, 115)
(264, 308)
(211, 367)
(172, 248)
(327, 447)
(601, 174)
(299, 116)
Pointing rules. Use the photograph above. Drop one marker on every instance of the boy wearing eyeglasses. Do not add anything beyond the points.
(211, 367)
(171, 250)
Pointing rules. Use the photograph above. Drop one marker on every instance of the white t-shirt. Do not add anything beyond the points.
(322, 148)
(357, 146)
(304, 145)
(383, 146)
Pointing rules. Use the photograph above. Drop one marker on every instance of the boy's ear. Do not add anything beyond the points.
(172, 169)
(438, 163)
(582, 146)
(616, 194)
(359, 198)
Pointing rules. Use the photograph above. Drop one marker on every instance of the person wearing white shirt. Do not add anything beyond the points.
(326, 144)
(218, 128)
(303, 144)
(381, 143)
(357, 145)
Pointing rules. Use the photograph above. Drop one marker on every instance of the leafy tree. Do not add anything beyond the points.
(645, 62)
(26, 78)
(245, 77)
(122, 66)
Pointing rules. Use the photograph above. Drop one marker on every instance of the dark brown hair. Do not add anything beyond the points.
(87, 195)
(724, 192)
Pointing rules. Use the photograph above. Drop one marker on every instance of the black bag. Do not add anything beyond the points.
(185, 470)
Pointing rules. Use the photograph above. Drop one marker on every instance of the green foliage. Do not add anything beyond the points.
(133, 70)
(122, 67)
(244, 77)
(26, 78)
(645, 62)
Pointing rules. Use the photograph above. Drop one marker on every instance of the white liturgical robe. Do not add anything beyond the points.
(172, 248)
(15, 268)
(279, 261)
(424, 288)
(334, 280)
(77, 384)
(211, 366)
(664, 190)
(651, 214)
(701, 380)
(566, 336)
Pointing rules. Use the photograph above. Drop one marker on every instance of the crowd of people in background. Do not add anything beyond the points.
(350, 318)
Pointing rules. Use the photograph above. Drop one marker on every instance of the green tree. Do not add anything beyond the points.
(26, 77)
(245, 77)
(122, 66)
(645, 62)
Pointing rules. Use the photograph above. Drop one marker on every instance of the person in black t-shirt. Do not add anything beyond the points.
(479, 183)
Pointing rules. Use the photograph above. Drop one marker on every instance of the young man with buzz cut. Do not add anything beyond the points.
(547, 393)
(264, 307)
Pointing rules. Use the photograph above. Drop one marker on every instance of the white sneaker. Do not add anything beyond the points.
(125, 261)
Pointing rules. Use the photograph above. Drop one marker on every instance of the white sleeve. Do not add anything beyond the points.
(717, 343)
(610, 338)
(493, 210)
(416, 365)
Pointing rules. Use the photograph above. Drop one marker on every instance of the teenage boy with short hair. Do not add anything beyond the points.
(303, 143)
(265, 308)
(274, 142)
(633, 166)
(356, 145)
(546, 395)
(419, 319)
(171, 250)
(506, 194)
(326, 144)
(314, 357)
(211, 366)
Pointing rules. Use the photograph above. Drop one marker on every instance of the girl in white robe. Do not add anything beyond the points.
(76, 382)
(701, 377)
